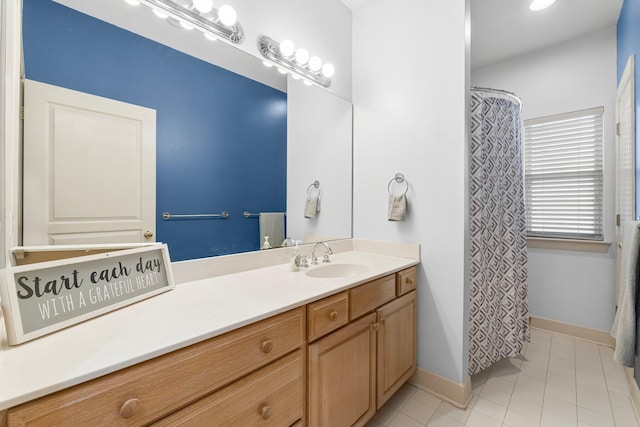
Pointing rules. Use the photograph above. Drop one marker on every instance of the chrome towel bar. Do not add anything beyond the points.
(167, 215)
(248, 214)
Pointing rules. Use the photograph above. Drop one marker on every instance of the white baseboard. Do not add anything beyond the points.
(455, 393)
(588, 334)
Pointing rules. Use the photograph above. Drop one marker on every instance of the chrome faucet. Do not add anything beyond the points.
(286, 242)
(314, 259)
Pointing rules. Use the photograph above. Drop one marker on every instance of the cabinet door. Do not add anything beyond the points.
(396, 345)
(341, 377)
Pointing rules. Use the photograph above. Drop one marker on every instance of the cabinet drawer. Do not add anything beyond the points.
(327, 315)
(150, 390)
(369, 296)
(272, 396)
(406, 281)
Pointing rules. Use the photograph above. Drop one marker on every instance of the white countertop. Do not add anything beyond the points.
(192, 312)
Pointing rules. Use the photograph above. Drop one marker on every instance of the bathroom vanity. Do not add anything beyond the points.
(260, 347)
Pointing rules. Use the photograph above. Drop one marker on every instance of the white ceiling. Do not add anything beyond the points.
(501, 29)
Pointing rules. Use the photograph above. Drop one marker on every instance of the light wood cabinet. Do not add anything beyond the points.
(396, 345)
(365, 298)
(270, 397)
(148, 391)
(355, 369)
(406, 281)
(342, 368)
(327, 315)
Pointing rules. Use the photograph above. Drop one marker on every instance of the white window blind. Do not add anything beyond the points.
(564, 174)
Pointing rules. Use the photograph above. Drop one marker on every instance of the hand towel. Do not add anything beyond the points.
(272, 225)
(397, 207)
(312, 207)
(624, 324)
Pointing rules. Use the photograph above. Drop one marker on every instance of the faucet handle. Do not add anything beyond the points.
(314, 260)
(304, 262)
(326, 258)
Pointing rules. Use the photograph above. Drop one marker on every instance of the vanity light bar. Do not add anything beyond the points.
(270, 49)
(233, 33)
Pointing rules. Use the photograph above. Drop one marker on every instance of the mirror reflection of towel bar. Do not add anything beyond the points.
(248, 214)
(167, 215)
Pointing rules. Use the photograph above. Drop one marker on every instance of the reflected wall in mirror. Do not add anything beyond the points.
(221, 137)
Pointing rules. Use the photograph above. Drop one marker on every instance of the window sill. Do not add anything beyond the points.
(568, 245)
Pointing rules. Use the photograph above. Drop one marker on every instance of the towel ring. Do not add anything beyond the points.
(315, 184)
(399, 178)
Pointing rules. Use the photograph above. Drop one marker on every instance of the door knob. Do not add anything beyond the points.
(148, 234)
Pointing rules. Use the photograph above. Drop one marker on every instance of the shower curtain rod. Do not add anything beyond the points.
(500, 92)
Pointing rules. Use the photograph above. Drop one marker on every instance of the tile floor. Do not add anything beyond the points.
(558, 382)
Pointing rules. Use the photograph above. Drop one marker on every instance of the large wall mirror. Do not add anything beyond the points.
(231, 135)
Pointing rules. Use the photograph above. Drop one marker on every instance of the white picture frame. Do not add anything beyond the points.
(41, 298)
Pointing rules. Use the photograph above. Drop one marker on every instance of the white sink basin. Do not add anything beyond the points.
(332, 271)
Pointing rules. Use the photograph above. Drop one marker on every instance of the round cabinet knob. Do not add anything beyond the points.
(130, 408)
(265, 412)
(148, 234)
(408, 281)
(267, 346)
(333, 315)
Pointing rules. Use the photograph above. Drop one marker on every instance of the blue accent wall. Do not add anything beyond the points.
(221, 138)
(628, 34)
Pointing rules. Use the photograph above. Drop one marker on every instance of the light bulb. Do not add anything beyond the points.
(302, 56)
(267, 64)
(160, 14)
(287, 48)
(540, 4)
(203, 6)
(328, 70)
(227, 15)
(133, 2)
(315, 64)
(210, 36)
(185, 25)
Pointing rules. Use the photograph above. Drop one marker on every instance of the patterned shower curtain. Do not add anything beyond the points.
(498, 326)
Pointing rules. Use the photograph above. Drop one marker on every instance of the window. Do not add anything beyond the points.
(563, 175)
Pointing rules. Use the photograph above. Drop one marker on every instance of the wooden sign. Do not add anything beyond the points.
(41, 298)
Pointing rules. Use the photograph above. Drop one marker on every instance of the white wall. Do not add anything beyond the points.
(568, 286)
(410, 80)
(322, 27)
(319, 141)
(10, 127)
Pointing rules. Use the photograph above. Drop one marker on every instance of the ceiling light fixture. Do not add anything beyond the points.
(227, 15)
(298, 63)
(540, 4)
(214, 23)
(203, 6)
